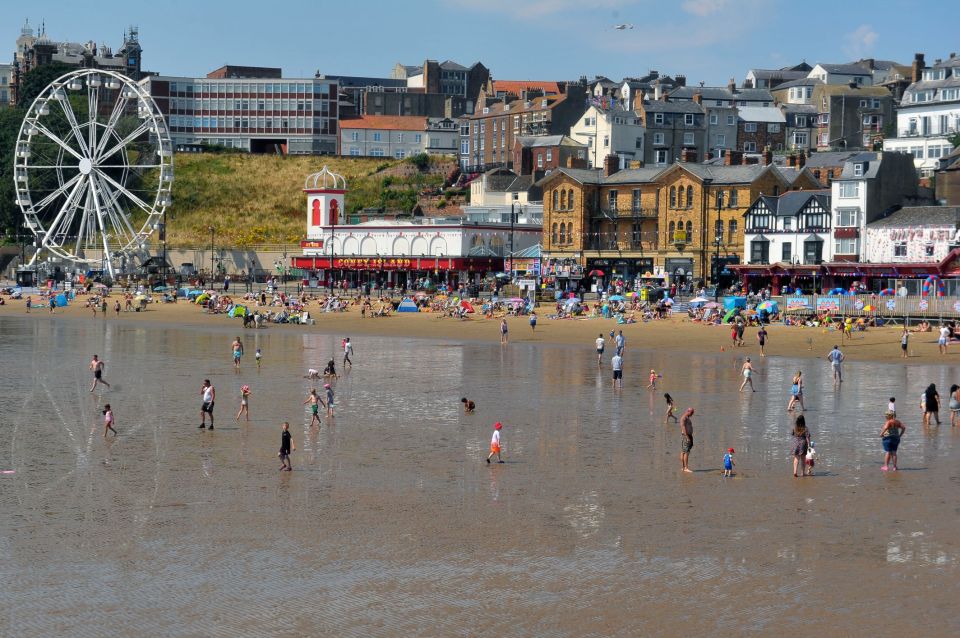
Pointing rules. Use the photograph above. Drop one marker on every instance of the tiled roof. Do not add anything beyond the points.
(450, 65)
(386, 122)
(741, 174)
(540, 141)
(659, 106)
(582, 175)
(829, 159)
(753, 95)
(768, 74)
(517, 87)
(845, 69)
(804, 81)
(919, 216)
(857, 91)
(643, 175)
(760, 114)
(708, 92)
(791, 202)
(798, 108)
(518, 106)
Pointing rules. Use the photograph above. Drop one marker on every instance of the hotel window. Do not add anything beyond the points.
(658, 138)
(376, 152)
(688, 139)
(673, 197)
(689, 196)
(553, 232)
(399, 138)
(399, 154)
(539, 160)
(636, 202)
(858, 170)
(732, 231)
(661, 157)
(750, 127)
(849, 189)
(688, 119)
(658, 118)
(376, 137)
(721, 141)
(750, 147)
(354, 151)
(773, 127)
(354, 136)
(549, 155)
(787, 252)
(556, 206)
(612, 200)
(714, 118)
(928, 250)
(900, 249)
(731, 120)
(846, 247)
(847, 218)
(732, 200)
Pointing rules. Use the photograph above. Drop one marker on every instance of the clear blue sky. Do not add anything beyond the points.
(709, 40)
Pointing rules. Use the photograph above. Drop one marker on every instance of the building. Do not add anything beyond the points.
(760, 128)
(519, 88)
(913, 235)
(234, 72)
(606, 129)
(795, 100)
(851, 116)
(825, 166)
(842, 74)
(446, 78)
(33, 51)
(495, 125)
(259, 115)
(397, 136)
(675, 131)
(871, 186)
(770, 78)
(400, 252)
(721, 114)
(6, 88)
(792, 228)
(948, 179)
(676, 223)
(539, 154)
(929, 114)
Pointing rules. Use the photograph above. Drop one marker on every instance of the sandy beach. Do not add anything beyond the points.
(677, 334)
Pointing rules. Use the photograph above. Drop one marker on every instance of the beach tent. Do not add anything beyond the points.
(729, 303)
(407, 305)
(466, 305)
(238, 311)
(61, 300)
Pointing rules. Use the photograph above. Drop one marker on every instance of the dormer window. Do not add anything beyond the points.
(543, 103)
(858, 170)
(486, 110)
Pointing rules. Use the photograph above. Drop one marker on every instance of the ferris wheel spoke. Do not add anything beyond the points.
(74, 126)
(111, 124)
(84, 222)
(126, 193)
(93, 105)
(60, 191)
(43, 129)
(67, 205)
(119, 220)
(137, 132)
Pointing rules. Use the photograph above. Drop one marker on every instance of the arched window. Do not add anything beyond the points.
(689, 196)
(553, 235)
(670, 231)
(689, 231)
(556, 199)
(563, 234)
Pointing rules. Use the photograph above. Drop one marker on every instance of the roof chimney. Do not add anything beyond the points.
(791, 161)
(698, 97)
(688, 155)
(802, 160)
(732, 85)
(767, 156)
(917, 67)
(733, 158)
(681, 80)
(611, 164)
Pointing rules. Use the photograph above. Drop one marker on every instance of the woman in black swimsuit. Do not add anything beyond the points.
(931, 404)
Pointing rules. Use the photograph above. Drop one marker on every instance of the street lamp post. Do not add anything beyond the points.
(212, 271)
(716, 255)
(703, 225)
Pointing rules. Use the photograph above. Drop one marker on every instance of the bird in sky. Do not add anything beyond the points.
(622, 27)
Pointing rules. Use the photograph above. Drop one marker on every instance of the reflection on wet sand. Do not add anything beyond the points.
(391, 523)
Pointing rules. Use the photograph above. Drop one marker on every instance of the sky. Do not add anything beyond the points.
(707, 40)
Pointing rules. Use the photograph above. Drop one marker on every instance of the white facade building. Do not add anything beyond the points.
(792, 228)
(913, 235)
(398, 136)
(842, 74)
(929, 114)
(607, 129)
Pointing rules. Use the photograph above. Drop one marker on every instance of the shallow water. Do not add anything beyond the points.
(391, 524)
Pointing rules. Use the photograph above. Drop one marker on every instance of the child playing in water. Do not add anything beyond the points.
(653, 380)
(244, 402)
(468, 405)
(671, 406)
(892, 406)
(286, 447)
(108, 420)
(728, 463)
(258, 356)
(495, 443)
(329, 390)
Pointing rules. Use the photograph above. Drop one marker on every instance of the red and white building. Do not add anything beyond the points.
(397, 252)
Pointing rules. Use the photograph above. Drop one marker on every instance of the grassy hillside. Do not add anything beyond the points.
(259, 199)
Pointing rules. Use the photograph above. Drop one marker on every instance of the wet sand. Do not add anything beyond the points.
(392, 524)
(677, 334)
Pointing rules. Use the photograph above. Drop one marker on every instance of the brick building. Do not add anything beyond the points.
(675, 130)
(759, 128)
(538, 155)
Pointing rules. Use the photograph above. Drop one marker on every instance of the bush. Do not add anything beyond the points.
(442, 203)
(420, 160)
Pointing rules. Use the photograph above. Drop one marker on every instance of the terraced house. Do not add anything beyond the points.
(684, 222)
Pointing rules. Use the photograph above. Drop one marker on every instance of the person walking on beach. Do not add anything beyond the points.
(801, 443)
(347, 352)
(108, 420)
(258, 356)
(329, 402)
(29, 303)
(762, 339)
(621, 341)
(954, 404)
(653, 380)
(533, 321)
(600, 346)
(671, 406)
(904, 339)
(116, 308)
(53, 304)
(97, 366)
(796, 393)
(944, 339)
(686, 439)
(209, 396)
(237, 347)
(728, 463)
(286, 447)
(747, 370)
(244, 402)
(468, 405)
(617, 364)
(890, 436)
(892, 405)
(103, 307)
(741, 326)
(931, 404)
(314, 400)
(503, 331)
(836, 359)
(495, 443)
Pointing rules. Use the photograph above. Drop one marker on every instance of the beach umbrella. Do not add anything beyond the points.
(712, 304)
(595, 273)
(466, 305)
(869, 308)
(769, 306)
(616, 298)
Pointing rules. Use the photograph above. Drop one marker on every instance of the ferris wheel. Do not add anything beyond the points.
(93, 167)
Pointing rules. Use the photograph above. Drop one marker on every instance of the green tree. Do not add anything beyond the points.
(954, 140)
(37, 79)
(10, 218)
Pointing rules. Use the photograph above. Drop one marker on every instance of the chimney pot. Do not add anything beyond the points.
(767, 156)
(732, 85)
(698, 97)
(611, 164)
(791, 160)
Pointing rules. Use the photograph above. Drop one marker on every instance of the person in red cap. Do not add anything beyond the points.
(495, 443)
(728, 463)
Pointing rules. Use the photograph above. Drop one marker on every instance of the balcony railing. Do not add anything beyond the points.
(627, 212)
(626, 244)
